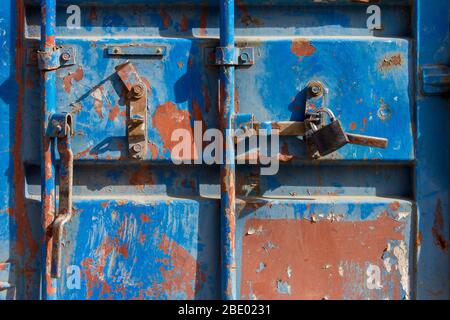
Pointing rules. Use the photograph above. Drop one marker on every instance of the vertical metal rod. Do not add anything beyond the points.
(48, 106)
(227, 175)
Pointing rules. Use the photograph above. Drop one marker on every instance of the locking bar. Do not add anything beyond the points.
(65, 201)
(137, 115)
(60, 127)
(52, 58)
(48, 170)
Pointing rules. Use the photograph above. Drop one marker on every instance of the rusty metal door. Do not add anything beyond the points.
(357, 207)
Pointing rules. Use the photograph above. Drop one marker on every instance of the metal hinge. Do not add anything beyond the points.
(55, 58)
(223, 56)
(435, 80)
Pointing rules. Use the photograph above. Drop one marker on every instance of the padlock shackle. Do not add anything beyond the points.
(327, 111)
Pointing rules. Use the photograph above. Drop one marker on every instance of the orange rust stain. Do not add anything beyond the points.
(391, 61)
(145, 218)
(180, 273)
(394, 205)
(302, 48)
(190, 62)
(284, 155)
(364, 123)
(121, 202)
(419, 239)
(77, 76)
(123, 250)
(83, 153)
(142, 177)
(307, 256)
(246, 18)
(142, 237)
(98, 107)
(165, 17)
(203, 21)
(104, 204)
(153, 149)
(113, 113)
(93, 13)
(184, 23)
(167, 119)
(352, 125)
(438, 228)
(180, 64)
(25, 246)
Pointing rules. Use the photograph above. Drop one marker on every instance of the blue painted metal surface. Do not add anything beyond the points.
(362, 223)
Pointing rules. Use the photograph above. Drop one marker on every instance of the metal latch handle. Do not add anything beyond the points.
(61, 128)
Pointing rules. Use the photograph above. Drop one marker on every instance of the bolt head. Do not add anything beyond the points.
(65, 56)
(138, 90)
(244, 56)
(137, 148)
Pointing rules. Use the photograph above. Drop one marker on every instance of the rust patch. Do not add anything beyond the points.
(391, 61)
(419, 238)
(203, 21)
(305, 260)
(352, 126)
(77, 76)
(83, 153)
(145, 218)
(438, 228)
(180, 64)
(142, 177)
(302, 48)
(184, 23)
(180, 273)
(169, 118)
(394, 205)
(246, 18)
(165, 18)
(93, 14)
(26, 247)
(153, 150)
(113, 113)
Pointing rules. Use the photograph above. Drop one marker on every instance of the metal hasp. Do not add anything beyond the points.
(61, 128)
(137, 115)
(322, 139)
(435, 80)
(227, 171)
(55, 57)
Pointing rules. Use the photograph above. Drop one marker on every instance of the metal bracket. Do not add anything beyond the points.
(55, 58)
(223, 56)
(435, 80)
(137, 115)
(60, 125)
(136, 50)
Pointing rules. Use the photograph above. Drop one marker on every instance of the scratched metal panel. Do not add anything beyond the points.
(322, 248)
(141, 249)
(369, 87)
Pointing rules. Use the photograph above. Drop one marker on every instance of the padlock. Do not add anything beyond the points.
(329, 137)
